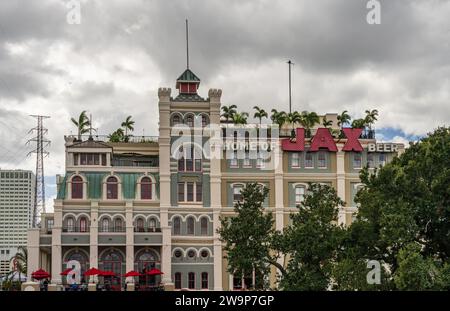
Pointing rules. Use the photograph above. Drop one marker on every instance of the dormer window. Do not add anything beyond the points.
(89, 159)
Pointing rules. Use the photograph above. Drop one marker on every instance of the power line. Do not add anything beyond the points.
(39, 187)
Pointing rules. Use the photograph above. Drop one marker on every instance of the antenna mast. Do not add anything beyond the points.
(187, 44)
(39, 185)
(290, 91)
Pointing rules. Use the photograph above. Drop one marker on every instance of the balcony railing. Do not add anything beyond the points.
(70, 229)
(129, 139)
(46, 230)
(111, 229)
(139, 229)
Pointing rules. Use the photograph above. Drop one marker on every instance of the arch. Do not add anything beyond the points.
(176, 215)
(176, 225)
(112, 187)
(204, 225)
(69, 214)
(153, 216)
(110, 250)
(204, 117)
(191, 249)
(178, 249)
(114, 216)
(206, 216)
(205, 249)
(77, 187)
(175, 115)
(148, 250)
(139, 224)
(85, 215)
(146, 187)
(75, 250)
(138, 215)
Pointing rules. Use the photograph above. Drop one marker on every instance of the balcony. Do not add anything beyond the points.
(143, 230)
(112, 229)
(46, 231)
(79, 229)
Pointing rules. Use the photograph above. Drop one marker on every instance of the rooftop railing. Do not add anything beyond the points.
(128, 139)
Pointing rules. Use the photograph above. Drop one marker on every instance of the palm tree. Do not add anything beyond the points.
(128, 125)
(259, 114)
(228, 112)
(82, 124)
(343, 118)
(116, 136)
(308, 120)
(293, 118)
(240, 118)
(278, 117)
(359, 123)
(371, 117)
(327, 123)
(21, 258)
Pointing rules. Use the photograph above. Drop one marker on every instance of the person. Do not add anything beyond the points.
(45, 283)
(83, 285)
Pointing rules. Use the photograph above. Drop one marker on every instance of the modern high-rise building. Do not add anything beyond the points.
(16, 206)
(155, 202)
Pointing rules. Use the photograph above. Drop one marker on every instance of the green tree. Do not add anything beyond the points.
(82, 124)
(128, 125)
(278, 117)
(240, 118)
(309, 120)
(117, 136)
(228, 112)
(371, 117)
(247, 235)
(259, 114)
(294, 118)
(311, 241)
(343, 118)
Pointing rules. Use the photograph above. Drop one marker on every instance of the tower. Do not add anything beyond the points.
(39, 191)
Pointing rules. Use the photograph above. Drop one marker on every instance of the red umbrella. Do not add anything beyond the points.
(40, 274)
(132, 273)
(66, 272)
(154, 271)
(92, 271)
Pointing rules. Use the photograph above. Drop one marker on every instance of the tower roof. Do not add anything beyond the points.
(188, 76)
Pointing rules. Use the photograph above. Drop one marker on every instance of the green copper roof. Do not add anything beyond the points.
(188, 75)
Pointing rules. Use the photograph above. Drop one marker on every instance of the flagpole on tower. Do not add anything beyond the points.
(290, 90)
(187, 44)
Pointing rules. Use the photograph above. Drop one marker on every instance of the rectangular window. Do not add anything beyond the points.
(322, 160)
(190, 192)
(309, 160)
(90, 159)
(181, 192)
(204, 280)
(295, 159)
(75, 159)
(191, 280)
(104, 159)
(370, 160)
(178, 280)
(237, 196)
(299, 194)
(189, 165)
(382, 159)
(96, 159)
(198, 165)
(234, 160)
(357, 160)
(83, 159)
(199, 192)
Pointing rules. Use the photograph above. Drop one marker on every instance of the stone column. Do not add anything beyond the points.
(33, 251)
(129, 238)
(93, 238)
(164, 185)
(215, 186)
(279, 194)
(56, 243)
(340, 183)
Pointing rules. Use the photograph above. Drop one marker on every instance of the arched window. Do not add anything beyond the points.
(112, 188)
(191, 226)
(105, 225)
(152, 224)
(83, 224)
(177, 226)
(204, 226)
(70, 224)
(140, 225)
(176, 119)
(204, 280)
(299, 194)
(77, 187)
(191, 280)
(177, 280)
(118, 225)
(146, 188)
(204, 120)
(190, 121)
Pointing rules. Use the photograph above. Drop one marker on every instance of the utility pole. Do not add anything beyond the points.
(39, 186)
(290, 91)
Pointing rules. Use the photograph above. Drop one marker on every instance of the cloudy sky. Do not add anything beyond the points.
(112, 63)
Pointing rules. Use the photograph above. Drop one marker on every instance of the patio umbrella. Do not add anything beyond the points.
(154, 271)
(40, 274)
(132, 273)
(92, 271)
(66, 272)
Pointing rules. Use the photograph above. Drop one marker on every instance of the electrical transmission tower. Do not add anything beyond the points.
(39, 186)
